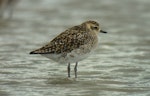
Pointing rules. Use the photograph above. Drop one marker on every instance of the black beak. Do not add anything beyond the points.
(103, 31)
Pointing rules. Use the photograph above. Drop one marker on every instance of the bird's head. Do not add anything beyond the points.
(93, 26)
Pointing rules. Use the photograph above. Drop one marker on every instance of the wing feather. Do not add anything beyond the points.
(65, 42)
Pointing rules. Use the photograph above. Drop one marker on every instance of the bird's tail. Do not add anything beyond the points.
(38, 51)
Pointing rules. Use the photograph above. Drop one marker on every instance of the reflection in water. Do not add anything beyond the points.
(119, 67)
(61, 81)
(7, 7)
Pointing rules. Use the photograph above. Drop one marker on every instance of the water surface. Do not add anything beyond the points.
(119, 67)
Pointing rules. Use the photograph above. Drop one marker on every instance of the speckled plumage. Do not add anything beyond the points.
(72, 45)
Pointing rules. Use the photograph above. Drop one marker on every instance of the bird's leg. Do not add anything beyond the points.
(68, 69)
(75, 69)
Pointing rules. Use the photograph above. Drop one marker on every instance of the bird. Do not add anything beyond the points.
(72, 45)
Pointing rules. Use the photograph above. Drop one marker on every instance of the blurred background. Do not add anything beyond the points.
(119, 67)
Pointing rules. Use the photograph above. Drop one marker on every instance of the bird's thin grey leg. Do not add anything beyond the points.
(75, 69)
(68, 69)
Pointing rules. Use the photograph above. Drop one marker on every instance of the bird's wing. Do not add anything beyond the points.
(65, 42)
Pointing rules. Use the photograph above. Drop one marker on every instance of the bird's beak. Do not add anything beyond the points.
(103, 31)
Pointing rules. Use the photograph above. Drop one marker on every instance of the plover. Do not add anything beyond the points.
(72, 45)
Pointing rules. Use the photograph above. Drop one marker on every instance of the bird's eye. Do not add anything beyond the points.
(95, 27)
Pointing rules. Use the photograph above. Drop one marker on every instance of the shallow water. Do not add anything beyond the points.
(119, 67)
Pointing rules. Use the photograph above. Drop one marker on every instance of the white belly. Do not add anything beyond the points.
(72, 57)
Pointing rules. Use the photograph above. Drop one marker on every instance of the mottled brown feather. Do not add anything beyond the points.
(66, 41)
